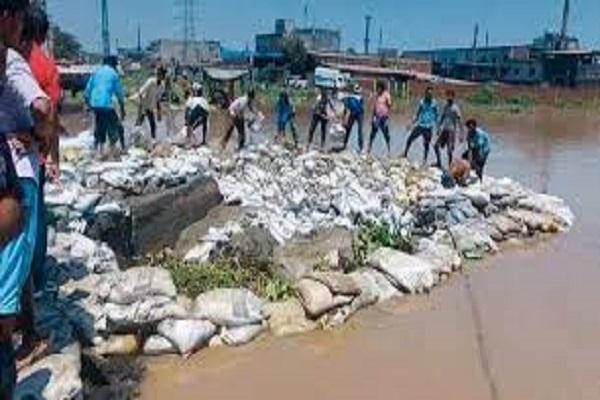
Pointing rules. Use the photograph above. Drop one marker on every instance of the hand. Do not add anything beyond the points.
(53, 172)
(123, 114)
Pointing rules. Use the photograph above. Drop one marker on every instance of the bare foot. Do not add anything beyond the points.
(32, 351)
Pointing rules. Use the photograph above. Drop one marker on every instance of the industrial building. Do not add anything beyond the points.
(269, 45)
(197, 52)
(554, 58)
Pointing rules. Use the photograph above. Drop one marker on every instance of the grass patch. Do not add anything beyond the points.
(488, 98)
(192, 279)
(373, 235)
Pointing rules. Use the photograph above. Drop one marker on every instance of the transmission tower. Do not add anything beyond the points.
(186, 14)
(105, 29)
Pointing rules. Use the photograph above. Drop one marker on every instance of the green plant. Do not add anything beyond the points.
(192, 279)
(373, 235)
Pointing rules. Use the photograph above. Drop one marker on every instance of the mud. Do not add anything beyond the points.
(523, 325)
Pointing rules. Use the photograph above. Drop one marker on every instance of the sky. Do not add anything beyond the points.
(415, 24)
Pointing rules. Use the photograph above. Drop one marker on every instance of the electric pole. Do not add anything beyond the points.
(105, 29)
(187, 17)
(368, 20)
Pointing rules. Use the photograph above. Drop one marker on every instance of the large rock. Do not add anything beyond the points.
(444, 258)
(230, 307)
(157, 345)
(472, 242)
(381, 284)
(317, 299)
(137, 284)
(187, 335)
(56, 377)
(288, 318)
(255, 243)
(406, 272)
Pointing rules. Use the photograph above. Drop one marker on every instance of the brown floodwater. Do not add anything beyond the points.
(522, 325)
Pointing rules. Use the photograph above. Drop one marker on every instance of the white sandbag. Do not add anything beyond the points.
(406, 272)
(187, 335)
(317, 299)
(230, 307)
(241, 335)
(131, 317)
(157, 345)
(137, 284)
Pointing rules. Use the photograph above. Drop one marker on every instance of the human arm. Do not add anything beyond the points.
(120, 94)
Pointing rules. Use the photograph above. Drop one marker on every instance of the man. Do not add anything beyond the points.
(286, 113)
(354, 111)
(237, 115)
(425, 121)
(320, 117)
(381, 116)
(101, 88)
(149, 97)
(196, 113)
(450, 123)
(21, 98)
(46, 73)
(478, 148)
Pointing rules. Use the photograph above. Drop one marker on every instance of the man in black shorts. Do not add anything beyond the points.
(450, 123)
(196, 113)
(426, 119)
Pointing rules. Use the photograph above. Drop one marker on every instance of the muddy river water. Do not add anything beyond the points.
(522, 325)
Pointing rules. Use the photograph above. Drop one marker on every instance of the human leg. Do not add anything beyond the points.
(241, 128)
(360, 123)
(385, 129)
(8, 368)
(323, 123)
(152, 123)
(228, 133)
(294, 132)
(311, 130)
(374, 129)
(427, 136)
(349, 126)
(416, 132)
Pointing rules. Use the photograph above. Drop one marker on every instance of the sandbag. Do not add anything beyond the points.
(187, 335)
(129, 318)
(405, 272)
(230, 307)
(157, 345)
(241, 335)
(137, 284)
(317, 299)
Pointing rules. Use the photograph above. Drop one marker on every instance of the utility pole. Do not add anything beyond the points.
(368, 20)
(487, 38)
(105, 29)
(139, 38)
(565, 25)
(380, 39)
(187, 16)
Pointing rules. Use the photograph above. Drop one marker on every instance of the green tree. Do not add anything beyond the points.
(297, 58)
(66, 45)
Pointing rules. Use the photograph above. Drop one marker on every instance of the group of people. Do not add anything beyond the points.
(30, 94)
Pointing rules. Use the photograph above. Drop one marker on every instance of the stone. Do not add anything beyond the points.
(187, 335)
(157, 345)
(255, 244)
(443, 258)
(288, 318)
(505, 225)
(56, 377)
(230, 307)
(380, 283)
(241, 335)
(117, 345)
(407, 273)
(472, 242)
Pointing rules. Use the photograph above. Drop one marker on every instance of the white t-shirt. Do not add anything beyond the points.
(239, 106)
(25, 90)
(194, 102)
(150, 93)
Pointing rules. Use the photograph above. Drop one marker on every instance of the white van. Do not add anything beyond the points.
(331, 78)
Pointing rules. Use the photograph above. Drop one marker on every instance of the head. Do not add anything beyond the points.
(284, 97)
(35, 27)
(429, 93)
(357, 89)
(450, 96)
(12, 16)
(161, 74)
(197, 89)
(471, 124)
(111, 61)
(381, 87)
(251, 94)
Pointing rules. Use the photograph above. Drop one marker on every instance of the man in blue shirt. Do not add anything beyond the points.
(286, 114)
(426, 119)
(102, 87)
(478, 148)
(354, 110)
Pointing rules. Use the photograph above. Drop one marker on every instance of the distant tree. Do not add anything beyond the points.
(66, 45)
(351, 51)
(296, 56)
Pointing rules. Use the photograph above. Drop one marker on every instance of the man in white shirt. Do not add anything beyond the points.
(149, 97)
(237, 114)
(196, 113)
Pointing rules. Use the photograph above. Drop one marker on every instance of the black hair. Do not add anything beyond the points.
(381, 85)
(471, 122)
(36, 24)
(13, 6)
(111, 61)
(251, 93)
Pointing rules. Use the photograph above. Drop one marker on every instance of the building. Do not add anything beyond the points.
(269, 46)
(195, 53)
(548, 59)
